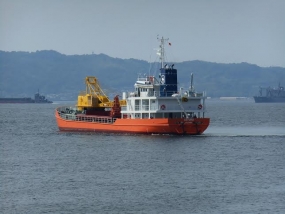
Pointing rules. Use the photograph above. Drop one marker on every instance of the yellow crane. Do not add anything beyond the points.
(94, 96)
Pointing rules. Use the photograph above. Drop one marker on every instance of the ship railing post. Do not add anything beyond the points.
(204, 103)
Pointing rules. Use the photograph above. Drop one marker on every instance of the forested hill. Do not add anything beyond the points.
(62, 76)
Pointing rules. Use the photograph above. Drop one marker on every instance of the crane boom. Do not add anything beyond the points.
(94, 96)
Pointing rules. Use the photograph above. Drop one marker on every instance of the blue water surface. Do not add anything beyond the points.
(236, 166)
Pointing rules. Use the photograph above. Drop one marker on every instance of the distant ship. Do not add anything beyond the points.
(38, 99)
(156, 106)
(270, 95)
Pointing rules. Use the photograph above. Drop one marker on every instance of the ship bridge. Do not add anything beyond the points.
(154, 98)
(160, 97)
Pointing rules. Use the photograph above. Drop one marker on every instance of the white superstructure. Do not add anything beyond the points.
(160, 97)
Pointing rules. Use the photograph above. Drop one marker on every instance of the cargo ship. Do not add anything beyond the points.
(156, 106)
(270, 95)
(37, 99)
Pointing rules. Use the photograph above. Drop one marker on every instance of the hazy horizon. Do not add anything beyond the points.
(215, 31)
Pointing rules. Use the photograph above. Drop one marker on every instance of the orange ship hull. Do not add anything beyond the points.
(193, 126)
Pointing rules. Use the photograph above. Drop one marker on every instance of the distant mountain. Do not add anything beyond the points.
(60, 76)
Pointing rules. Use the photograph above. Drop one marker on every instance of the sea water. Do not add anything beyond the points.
(236, 166)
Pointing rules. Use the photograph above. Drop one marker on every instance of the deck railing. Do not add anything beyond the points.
(163, 108)
(71, 114)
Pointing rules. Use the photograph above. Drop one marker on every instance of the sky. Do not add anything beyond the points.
(222, 31)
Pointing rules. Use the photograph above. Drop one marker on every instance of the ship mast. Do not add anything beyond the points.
(161, 50)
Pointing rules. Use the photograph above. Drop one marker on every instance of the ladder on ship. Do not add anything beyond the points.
(181, 106)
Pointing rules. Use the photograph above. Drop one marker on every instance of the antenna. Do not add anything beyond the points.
(161, 50)
(191, 84)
